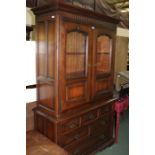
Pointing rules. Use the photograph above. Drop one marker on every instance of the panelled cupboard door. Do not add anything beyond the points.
(76, 55)
(102, 67)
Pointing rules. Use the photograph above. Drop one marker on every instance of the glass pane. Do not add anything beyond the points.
(76, 42)
(103, 54)
(103, 44)
(76, 54)
(103, 63)
(75, 65)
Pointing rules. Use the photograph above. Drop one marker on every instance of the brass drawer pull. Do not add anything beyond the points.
(91, 116)
(77, 136)
(73, 125)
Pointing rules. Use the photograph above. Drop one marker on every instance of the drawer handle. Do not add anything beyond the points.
(91, 116)
(77, 136)
(102, 136)
(76, 152)
(73, 125)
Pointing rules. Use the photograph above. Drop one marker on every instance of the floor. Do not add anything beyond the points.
(37, 144)
(122, 148)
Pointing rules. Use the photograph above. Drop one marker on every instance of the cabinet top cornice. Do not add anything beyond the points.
(56, 6)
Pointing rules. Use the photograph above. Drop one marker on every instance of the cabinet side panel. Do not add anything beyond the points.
(46, 95)
(45, 62)
(41, 49)
(51, 49)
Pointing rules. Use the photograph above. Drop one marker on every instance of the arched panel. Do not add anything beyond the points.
(104, 44)
(76, 54)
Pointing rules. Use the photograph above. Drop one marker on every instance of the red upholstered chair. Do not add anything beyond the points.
(119, 107)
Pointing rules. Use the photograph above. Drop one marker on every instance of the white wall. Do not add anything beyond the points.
(31, 59)
(30, 70)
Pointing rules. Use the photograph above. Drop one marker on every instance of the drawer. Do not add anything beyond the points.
(101, 125)
(69, 125)
(88, 145)
(103, 137)
(89, 117)
(83, 147)
(106, 109)
(74, 136)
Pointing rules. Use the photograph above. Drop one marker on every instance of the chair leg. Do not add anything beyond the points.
(117, 127)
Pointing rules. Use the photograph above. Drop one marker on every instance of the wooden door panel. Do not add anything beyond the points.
(76, 53)
(76, 92)
(102, 62)
(103, 85)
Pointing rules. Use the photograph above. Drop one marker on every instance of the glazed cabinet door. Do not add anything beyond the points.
(76, 51)
(102, 66)
(45, 28)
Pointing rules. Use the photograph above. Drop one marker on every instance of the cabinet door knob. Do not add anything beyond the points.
(52, 17)
(92, 27)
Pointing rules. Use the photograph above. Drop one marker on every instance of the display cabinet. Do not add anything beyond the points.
(75, 69)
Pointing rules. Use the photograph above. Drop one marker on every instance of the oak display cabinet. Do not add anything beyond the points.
(75, 69)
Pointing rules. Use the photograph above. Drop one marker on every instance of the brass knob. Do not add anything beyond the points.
(92, 27)
(73, 125)
(52, 17)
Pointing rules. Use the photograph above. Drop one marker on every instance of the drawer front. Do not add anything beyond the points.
(73, 136)
(88, 117)
(82, 147)
(106, 109)
(103, 137)
(101, 125)
(88, 145)
(70, 125)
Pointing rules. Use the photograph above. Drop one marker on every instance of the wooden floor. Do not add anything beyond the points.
(37, 144)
